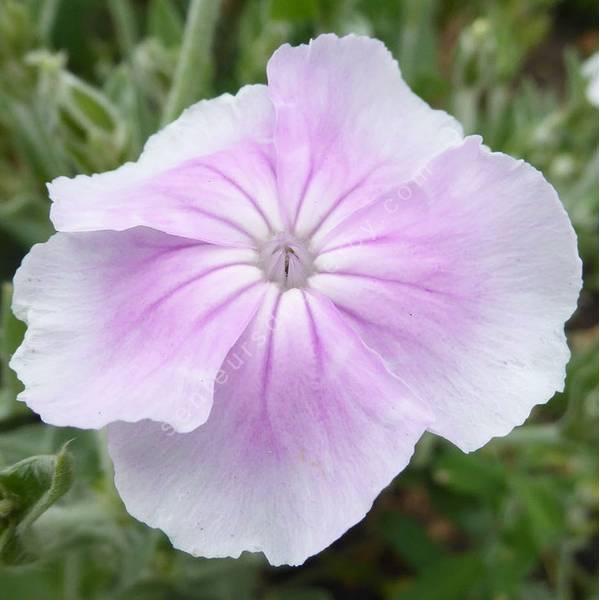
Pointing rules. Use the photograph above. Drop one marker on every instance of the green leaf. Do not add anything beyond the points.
(544, 513)
(34, 137)
(300, 10)
(298, 593)
(90, 125)
(409, 539)
(11, 335)
(27, 489)
(91, 104)
(448, 579)
(165, 23)
(470, 474)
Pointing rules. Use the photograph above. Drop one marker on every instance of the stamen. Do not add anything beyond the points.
(286, 261)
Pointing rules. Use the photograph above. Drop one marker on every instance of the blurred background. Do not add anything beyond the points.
(82, 85)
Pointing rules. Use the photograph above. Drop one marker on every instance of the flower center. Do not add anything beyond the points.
(286, 261)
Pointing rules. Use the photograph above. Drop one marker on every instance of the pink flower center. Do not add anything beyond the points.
(286, 261)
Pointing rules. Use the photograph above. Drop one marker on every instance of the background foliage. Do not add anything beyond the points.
(82, 85)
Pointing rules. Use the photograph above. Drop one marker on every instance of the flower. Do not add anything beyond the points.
(284, 292)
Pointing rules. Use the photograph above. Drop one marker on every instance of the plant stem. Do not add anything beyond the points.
(124, 22)
(123, 17)
(46, 20)
(191, 75)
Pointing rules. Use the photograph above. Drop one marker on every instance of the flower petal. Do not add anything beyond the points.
(304, 433)
(462, 282)
(129, 325)
(207, 176)
(346, 124)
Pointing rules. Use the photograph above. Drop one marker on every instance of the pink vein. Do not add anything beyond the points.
(361, 242)
(340, 199)
(242, 191)
(409, 284)
(196, 209)
(266, 374)
(305, 187)
(168, 294)
(207, 317)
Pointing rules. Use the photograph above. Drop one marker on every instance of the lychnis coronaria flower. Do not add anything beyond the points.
(289, 287)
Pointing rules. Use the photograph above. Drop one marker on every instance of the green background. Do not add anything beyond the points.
(82, 85)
